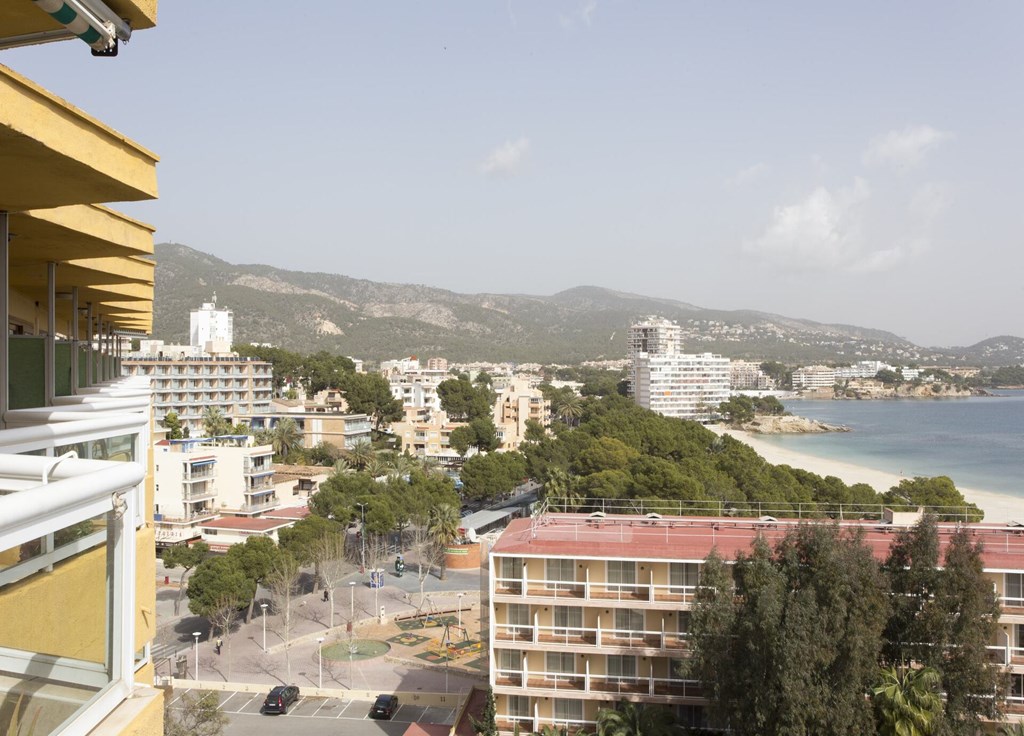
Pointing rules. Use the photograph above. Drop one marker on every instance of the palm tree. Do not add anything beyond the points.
(376, 467)
(443, 528)
(214, 422)
(569, 409)
(286, 437)
(360, 454)
(401, 463)
(907, 701)
(1012, 729)
(341, 465)
(631, 719)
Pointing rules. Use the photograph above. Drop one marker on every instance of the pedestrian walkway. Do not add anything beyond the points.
(259, 651)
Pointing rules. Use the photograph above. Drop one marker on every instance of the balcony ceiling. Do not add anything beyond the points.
(77, 231)
(53, 154)
(19, 17)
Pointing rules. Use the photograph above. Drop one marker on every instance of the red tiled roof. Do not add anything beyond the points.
(291, 513)
(245, 524)
(692, 538)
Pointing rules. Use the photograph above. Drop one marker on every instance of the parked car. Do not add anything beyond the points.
(280, 698)
(384, 707)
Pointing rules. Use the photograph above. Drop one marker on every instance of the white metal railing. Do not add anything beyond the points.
(589, 636)
(1011, 602)
(77, 491)
(585, 682)
(1004, 655)
(587, 590)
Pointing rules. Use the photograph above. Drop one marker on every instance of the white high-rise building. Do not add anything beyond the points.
(664, 379)
(209, 324)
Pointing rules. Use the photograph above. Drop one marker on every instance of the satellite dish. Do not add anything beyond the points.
(471, 535)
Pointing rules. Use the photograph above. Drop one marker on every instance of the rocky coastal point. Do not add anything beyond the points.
(789, 425)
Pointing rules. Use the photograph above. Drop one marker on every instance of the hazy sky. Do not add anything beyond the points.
(844, 162)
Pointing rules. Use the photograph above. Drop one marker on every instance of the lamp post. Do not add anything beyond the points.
(320, 662)
(197, 634)
(263, 607)
(362, 536)
(352, 603)
(460, 609)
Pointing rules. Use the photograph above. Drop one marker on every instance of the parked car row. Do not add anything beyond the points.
(281, 697)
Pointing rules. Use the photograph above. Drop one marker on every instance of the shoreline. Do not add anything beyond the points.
(998, 507)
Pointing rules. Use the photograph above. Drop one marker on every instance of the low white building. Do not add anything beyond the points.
(814, 376)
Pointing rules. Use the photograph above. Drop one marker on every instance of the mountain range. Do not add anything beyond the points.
(307, 312)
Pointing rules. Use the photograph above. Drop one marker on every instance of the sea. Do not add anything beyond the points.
(976, 441)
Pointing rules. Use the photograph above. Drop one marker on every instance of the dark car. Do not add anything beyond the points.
(280, 698)
(384, 707)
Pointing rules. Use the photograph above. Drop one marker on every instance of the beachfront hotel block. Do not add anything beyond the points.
(587, 610)
(189, 386)
(77, 559)
(681, 385)
(662, 378)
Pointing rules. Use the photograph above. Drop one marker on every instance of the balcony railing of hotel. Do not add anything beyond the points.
(249, 508)
(584, 636)
(584, 682)
(70, 490)
(534, 724)
(650, 511)
(207, 490)
(587, 590)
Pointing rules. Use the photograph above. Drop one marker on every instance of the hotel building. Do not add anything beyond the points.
(188, 387)
(77, 555)
(664, 379)
(585, 611)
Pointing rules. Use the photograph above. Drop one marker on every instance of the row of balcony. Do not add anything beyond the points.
(597, 591)
(667, 642)
(658, 689)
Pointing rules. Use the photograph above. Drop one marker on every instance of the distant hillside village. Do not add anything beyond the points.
(247, 442)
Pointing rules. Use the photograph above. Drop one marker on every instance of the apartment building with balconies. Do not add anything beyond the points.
(515, 404)
(588, 610)
(198, 480)
(332, 426)
(429, 438)
(189, 386)
(77, 559)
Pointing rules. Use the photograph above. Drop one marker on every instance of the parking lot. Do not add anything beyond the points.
(316, 716)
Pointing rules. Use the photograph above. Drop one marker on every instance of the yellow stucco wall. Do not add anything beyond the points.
(63, 613)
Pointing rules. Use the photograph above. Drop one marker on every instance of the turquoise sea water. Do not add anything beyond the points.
(978, 441)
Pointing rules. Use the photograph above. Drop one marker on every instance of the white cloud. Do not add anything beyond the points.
(583, 13)
(506, 159)
(884, 260)
(825, 232)
(746, 176)
(821, 232)
(904, 148)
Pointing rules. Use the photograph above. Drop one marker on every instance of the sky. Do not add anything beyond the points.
(855, 163)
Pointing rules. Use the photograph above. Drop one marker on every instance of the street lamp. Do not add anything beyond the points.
(263, 606)
(352, 603)
(362, 537)
(460, 609)
(320, 662)
(197, 634)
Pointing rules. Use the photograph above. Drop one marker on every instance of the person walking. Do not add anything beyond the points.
(220, 643)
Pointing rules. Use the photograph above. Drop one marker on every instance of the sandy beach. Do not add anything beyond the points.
(997, 506)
